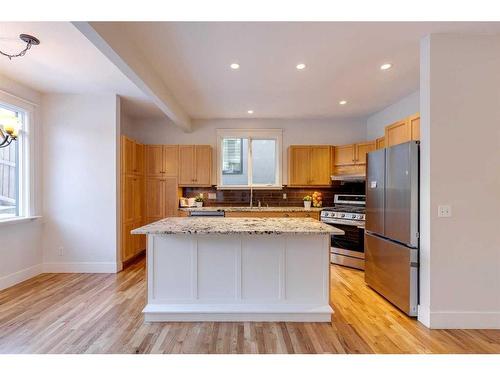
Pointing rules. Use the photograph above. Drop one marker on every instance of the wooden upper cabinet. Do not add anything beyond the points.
(320, 166)
(154, 160)
(127, 155)
(203, 157)
(132, 156)
(171, 160)
(380, 143)
(397, 133)
(415, 127)
(299, 162)
(195, 165)
(403, 131)
(362, 149)
(309, 165)
(345, 155)
(187, 162)
(138, 166)
(162, 161)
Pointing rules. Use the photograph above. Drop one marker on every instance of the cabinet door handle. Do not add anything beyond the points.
(286, 215)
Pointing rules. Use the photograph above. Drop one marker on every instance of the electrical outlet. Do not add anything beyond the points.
(444, 211)
(212, 196)
(61, 251)
(284, 195)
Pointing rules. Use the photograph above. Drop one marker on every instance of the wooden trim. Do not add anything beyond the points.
(135, 258)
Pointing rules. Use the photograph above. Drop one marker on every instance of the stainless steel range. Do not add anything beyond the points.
(348, 214)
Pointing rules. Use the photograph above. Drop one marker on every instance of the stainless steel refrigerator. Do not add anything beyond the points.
(392, 224)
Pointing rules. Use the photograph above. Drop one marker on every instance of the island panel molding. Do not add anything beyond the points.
(240, 277)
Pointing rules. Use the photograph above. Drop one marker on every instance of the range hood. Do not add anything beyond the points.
(349, 177)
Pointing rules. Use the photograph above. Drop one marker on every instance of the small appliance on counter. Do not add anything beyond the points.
(187, 202)
(348, 214)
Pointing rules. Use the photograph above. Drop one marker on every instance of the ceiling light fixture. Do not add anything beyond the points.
(343, 102)
(250, 111)
(301, 66)
(9, 130)
(29, 40)
(385, 66)
(235, 66)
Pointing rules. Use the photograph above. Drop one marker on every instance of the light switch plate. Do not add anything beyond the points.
(284, 195)
(444, 211)
(212, 196)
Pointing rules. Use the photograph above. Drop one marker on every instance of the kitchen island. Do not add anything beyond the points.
(238, 269)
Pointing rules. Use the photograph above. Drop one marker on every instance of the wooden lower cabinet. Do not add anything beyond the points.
(312, 214)
(161, 198)
(132, 244)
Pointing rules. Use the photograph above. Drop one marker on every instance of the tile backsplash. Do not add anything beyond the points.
(272, 198)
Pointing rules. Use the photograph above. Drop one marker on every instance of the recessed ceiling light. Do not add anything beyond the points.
(343, 102)
(250, 111)
(235, 66)
(385, 66)
(300, 66)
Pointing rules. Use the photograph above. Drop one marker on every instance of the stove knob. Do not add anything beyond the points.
(342, 215)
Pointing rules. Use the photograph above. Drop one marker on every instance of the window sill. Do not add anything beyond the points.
(17, 220)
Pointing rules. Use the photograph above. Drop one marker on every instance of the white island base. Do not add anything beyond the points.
(238, 277)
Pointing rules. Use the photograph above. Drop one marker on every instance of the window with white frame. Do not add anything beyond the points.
(13, 176)
(249, 158)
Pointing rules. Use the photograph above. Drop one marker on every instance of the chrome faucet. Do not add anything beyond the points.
(259, 203)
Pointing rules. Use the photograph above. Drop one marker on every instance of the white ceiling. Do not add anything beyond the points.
(66, 62)
(342, 58)
(192, 59)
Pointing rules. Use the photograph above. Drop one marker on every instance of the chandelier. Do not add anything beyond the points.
(9, 130)
(29, 40)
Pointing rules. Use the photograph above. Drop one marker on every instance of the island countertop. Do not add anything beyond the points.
(226, 225)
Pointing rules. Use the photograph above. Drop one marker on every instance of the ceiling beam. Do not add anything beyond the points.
(118, 49)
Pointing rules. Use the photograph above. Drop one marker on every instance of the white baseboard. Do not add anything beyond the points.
(20, 276)
(465, 320)
(81, 267)
(424, 315)
(245, 312)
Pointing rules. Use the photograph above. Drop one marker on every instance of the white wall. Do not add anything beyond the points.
(376, 123)
(460, 154)
(80, 182)
(20, 245)
(315, 131)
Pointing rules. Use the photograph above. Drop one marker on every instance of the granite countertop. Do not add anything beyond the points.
(227, 225)
(256, 209)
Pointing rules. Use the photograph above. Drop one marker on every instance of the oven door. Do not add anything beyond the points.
(353, 239)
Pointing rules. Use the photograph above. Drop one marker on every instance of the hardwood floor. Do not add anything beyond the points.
(101, 313)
